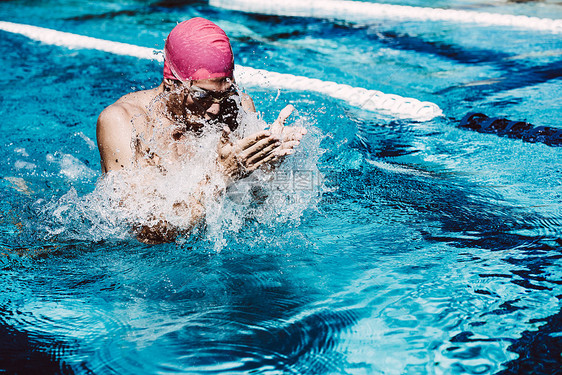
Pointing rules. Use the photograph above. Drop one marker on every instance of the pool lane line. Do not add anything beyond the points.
(503, 127)
(362, 98)
(64, 39)
(370, 100)
(357, 11)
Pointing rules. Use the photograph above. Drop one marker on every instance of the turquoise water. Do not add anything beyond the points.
(409, 248)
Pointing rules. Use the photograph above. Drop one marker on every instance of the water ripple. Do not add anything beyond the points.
(236, 340)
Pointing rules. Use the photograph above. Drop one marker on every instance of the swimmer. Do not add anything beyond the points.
(198, 91)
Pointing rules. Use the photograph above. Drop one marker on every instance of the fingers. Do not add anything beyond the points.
(259, 146)
(266, 148)
(293, 133)
(271, 158)
(271, 155)
(277, 126)
(241, 156)
(288, 145)
(263, 153)
(251, 140)
(285, 112)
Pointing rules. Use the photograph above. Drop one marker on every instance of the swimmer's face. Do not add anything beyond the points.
(209, 99)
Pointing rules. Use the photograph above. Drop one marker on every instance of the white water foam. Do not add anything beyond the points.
(150, 195)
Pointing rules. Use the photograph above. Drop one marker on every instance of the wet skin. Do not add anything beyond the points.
(177, 109)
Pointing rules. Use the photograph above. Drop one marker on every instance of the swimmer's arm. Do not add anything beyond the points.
(114, 132)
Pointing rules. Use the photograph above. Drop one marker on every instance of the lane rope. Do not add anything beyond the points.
(370, 100)
(503, 127)
(72, 41)
(357, 11)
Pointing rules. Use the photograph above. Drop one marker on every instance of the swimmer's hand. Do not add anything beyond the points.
(266, 148)
(240, 158)
(290, 135)
(277, 126)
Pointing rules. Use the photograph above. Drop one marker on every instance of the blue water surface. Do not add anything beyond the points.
(422, 248)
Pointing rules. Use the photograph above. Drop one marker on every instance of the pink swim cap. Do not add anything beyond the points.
(197, 49)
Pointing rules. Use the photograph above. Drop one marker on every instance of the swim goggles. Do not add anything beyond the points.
(209, 97)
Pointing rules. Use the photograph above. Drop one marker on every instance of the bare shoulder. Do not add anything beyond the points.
(115, 128)
(118, 114)
(127, 107)
(120, 117)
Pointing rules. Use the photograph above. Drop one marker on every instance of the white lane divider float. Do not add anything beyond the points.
(370, 100)
(60, 38)
(357, 11)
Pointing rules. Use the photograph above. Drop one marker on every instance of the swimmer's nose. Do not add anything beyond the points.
(213, 110)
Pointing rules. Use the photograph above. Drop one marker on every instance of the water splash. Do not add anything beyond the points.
(169, 182)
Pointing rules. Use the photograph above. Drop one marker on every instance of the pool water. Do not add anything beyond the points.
(394, 246)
